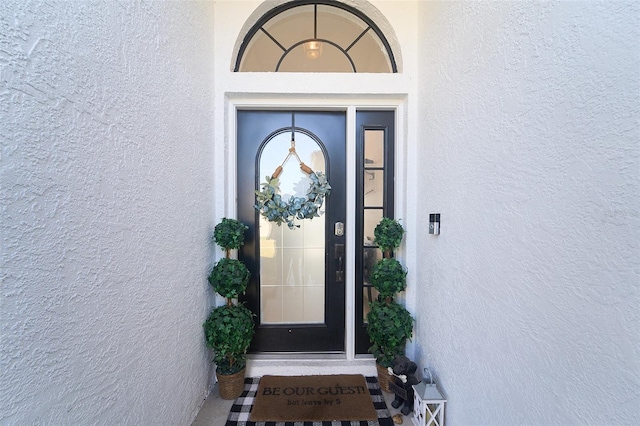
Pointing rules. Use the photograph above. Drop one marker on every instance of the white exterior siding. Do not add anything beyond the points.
(530, 142)
(107, 206)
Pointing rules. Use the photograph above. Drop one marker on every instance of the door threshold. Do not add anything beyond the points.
(306, 364)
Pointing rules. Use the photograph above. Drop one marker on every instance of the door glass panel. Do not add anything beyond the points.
(373, 188)
(292, 261)
(373, 203)
(374, 148)
(371, 219)
(361, 54)
(291, 26)
(339, 26)
(262, 51)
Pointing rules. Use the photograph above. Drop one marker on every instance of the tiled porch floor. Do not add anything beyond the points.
(215, 410)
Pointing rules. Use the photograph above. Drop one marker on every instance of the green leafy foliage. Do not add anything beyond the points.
(229, 234)
(388, 277)
(228, 331)
(229, 278)
(389, 324)
(388, 234)
(389, 327)
(270, 204)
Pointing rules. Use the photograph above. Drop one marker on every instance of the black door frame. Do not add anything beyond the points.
(383, 120)
(259, 126)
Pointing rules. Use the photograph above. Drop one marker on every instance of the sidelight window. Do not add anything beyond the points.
(375, 200)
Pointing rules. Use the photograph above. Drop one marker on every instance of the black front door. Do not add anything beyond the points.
(297, 287)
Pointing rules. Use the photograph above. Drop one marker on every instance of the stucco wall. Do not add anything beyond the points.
(529, 150)
(106, 210)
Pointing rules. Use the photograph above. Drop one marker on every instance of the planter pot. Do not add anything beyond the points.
(231, 385)
(383, 378)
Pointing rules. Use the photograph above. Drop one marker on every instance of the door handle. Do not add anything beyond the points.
(339, 256)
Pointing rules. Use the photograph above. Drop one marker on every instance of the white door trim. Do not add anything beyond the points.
(227, 164)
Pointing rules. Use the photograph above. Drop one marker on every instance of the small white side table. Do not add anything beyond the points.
(428, 405)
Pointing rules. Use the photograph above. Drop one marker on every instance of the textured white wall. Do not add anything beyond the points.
(106, 135)
(529, 148)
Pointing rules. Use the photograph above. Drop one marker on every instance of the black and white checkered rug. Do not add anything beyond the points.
(239, 414)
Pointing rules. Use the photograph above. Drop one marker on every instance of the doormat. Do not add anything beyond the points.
(244, 405)
(313, 398)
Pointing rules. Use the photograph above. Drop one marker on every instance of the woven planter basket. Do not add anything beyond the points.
(231, 385)
(383, 378)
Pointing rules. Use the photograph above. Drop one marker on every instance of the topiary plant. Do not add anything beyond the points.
(229, 234)
(229, 328)
(229, 278)
(228, 331)
(389, 327)
(388, 234)
(388, 277)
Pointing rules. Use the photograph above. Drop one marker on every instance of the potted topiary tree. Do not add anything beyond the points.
(229, 328)
(390, 325)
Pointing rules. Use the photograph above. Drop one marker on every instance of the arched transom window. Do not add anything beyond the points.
(315, 36)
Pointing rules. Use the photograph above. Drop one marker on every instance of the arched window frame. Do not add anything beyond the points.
(264, 19)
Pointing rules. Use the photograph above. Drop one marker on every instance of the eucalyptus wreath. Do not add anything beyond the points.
(270, 204)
